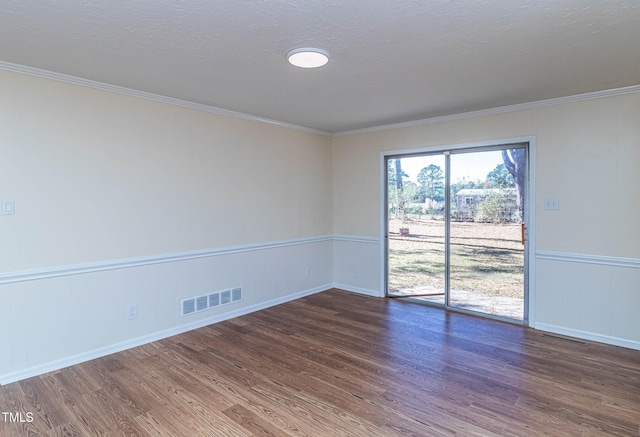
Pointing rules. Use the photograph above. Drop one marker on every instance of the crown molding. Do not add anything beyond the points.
(493, 111)
(46, 74)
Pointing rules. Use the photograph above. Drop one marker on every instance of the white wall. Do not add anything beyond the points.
(587, 265)
(121, 200)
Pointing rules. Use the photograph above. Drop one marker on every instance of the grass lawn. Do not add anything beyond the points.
(486, 258)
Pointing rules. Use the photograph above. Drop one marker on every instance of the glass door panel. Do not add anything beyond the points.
(486, 235)
(416, 227)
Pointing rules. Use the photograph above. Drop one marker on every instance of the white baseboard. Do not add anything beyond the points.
(139, 341)
(353, 289)
(585, 335)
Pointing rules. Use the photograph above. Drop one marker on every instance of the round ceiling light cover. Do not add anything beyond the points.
(307, 57)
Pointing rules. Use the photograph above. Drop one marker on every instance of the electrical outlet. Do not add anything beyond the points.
(132, 312)
(308, 272)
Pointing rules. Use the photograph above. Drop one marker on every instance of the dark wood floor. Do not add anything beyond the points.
(340, 364)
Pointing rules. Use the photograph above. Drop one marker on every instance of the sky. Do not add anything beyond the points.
(474, 165)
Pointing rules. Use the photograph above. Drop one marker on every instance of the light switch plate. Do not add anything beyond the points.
(551, 204)
(8, 207)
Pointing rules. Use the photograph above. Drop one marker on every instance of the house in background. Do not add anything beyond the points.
(148, 160)
(468, 200)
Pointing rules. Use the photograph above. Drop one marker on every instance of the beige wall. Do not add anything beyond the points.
(97, 176)
(587, 156)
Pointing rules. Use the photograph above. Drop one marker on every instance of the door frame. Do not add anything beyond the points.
(530, 215)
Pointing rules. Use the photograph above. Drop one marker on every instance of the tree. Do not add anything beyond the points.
(464, 183)
(420, 195)
(399, 175)
(515, 162)
(396, 187)
(431, 180)
(500, 177)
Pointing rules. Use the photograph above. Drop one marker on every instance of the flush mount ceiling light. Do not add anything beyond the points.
(307, 57)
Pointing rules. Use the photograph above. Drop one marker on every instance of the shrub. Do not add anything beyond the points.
(496, 207)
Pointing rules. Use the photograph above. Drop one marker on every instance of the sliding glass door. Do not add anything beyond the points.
(456, 229)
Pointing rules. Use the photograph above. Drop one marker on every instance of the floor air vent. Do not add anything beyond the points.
(236, 294)
(188, 306)
(197, 304)
(214, 300)
(225, 297)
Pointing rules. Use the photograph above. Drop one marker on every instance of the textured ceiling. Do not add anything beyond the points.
(391, 61)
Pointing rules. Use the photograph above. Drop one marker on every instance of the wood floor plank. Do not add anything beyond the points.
(87, 418)
(340, 364)
(331, 416)
(252, 422)
(115, 420)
